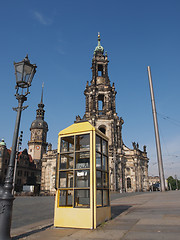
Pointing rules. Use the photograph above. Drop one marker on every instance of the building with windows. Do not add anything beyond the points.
(48, 171)
(154, 183)
(4, 160)
(26, 170)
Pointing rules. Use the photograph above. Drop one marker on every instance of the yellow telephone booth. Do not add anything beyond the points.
(82, 178)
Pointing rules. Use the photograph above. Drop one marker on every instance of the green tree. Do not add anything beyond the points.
(172, 183)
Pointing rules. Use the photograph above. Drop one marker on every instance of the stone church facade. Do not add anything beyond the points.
(128, 167)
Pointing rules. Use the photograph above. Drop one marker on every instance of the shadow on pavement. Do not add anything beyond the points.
(118, 209)
(31, 232)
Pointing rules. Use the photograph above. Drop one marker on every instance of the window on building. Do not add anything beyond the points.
(100, 70)
(18, 181)
(100, 102)
(128, 183)
(100, 105)
(20, 173)
(102, 129)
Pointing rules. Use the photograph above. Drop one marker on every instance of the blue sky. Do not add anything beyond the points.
(60, 37)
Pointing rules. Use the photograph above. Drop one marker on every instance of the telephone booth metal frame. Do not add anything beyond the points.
(82, 178)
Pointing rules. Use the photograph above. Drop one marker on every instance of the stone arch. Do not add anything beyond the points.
(128, 182)
(102, 128)
(101, 102)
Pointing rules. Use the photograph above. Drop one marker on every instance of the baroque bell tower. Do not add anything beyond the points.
(39, 128)
(100, 98)
(101, 110)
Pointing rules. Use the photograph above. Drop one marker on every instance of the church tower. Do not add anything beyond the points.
(128, 167)
(39, 128)
(101, 110)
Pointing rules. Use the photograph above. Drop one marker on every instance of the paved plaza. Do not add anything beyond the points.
(144, 216)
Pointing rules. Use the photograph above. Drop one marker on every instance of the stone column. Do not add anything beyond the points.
(113, 103)
(87, 103)
(136, 175)
(96, 103)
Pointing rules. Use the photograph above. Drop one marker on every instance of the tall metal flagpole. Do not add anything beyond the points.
(158, 145)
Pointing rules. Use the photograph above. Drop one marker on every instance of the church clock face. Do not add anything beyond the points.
(37, 147)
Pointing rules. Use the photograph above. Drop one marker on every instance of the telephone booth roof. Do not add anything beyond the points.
(81, 127)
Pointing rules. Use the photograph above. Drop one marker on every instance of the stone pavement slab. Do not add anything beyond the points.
(133, 235)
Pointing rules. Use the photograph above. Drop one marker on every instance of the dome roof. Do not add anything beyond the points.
(2, 143)
(39, 124)
(99, 48)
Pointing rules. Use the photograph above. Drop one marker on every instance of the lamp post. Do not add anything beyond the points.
(24, 72)
(19, 143)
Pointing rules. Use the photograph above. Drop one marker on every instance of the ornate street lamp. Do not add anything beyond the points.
(24, 72)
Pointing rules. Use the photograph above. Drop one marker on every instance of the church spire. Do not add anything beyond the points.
(40, 111)
(42, 93)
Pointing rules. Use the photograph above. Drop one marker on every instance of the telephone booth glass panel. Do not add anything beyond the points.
(102, 172)
(74, 171)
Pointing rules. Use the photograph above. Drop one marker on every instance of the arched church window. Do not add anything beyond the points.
(102, 129)
(100, 70)
(100, 105)
(100, 102)
(128, 183)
